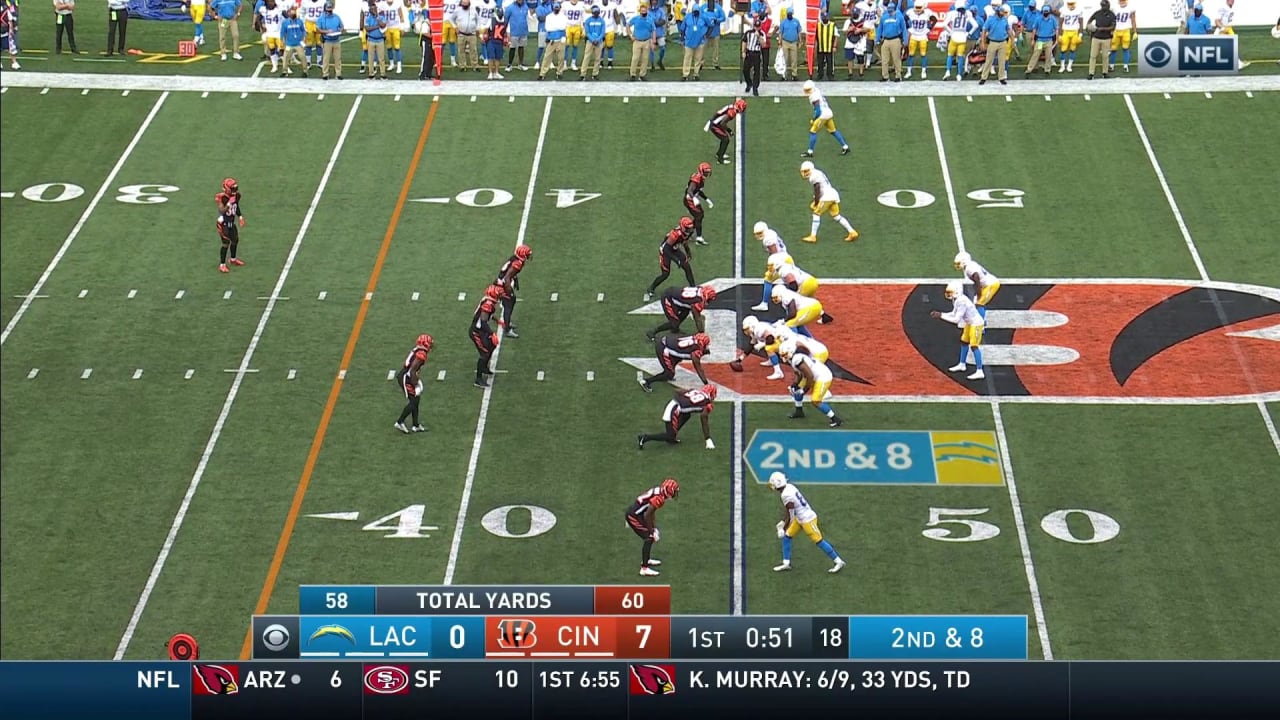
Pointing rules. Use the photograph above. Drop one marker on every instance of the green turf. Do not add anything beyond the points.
(94, 470)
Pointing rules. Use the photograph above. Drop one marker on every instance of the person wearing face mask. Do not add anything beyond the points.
(1103, 23)
(642, 31)
(1043, 36)
(466, 23)
(557, 26)
(1197, 23)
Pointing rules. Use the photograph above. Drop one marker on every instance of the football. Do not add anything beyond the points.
(736, 366)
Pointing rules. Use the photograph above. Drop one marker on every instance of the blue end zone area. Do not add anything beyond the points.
(168, 10)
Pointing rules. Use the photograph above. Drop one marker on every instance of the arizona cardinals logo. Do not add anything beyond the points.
(653, 679)
(216, 679)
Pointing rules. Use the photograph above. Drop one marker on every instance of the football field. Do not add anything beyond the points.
(182, 448)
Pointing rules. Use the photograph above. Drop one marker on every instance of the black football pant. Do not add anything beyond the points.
(68, 25)
(751, 70)
(724, 136)
(825, 68)
(411, 408)
(117, 20)
(428, 58)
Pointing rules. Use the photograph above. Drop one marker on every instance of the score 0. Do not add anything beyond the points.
(633, 600)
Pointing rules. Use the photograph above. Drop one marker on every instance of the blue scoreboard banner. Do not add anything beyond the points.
(938, 637)
(877, 457)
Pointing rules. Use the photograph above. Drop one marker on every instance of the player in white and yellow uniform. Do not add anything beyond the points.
(1072, 24)
(798, 309)
(449, 33)
(392, 12)
(575, 13)
(311, 10)
(610, 13)
(964, 315)
(272, 16)
(959, 23)
(985, 283)
(919, 22)
(826, 200)
(822, 117)
(764, 339)
(797, 515)
(1224, 24)
(812, 378)
(1126, 32)
(773, 244)
(870, 17)
(197, 10)
(792, 277)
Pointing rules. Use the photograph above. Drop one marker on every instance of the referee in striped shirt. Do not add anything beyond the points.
(752, 57)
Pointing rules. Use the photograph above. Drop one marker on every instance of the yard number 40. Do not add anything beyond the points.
(944, 524)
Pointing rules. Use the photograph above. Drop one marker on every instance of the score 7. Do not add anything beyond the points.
(643, 638)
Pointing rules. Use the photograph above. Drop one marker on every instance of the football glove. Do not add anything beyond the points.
(708, 202)
(813, 208)
(710, 445)
(655, 535)
(782, 531)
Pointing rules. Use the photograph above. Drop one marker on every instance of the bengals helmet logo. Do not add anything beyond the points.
(653, 679)
(216, 679)
(517, 634)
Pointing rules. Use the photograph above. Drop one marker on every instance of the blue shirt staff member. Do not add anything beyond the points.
(1044, 35)
(890, 32)
(593, 50)
(642, 33)
(228, 14)
(330, 27)
(789, 33)
(995, 40)
(1197, 23)
(517, 17)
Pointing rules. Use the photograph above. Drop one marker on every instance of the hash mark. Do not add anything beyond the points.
(226, 295)
(292, 374)
(1008, 98)
(1087, 98)
(1209, 95)
(1048, 98)
(591, 375)
(244, 95)
(414, 297)
(1248, 93)
(124, 94)
(541, 376)
(179, 294)
(586, 99)
(368, 296)
(133, 294)
(626, 99)
(701, 100)
(342, 374)
(34, 372)
(462, 296)
(776, 99)
(663, 100)
(1167, 96)
(969, 98)
(599, 297)
(84, 91)
(391, 374)
(87, 372)
(440, 376)
(280, 96)
(396, 98)
(44, 91)
(435, 98)
(893, 99)
(555, 296)
(137, 374)
(188, 374)
(323, 294)
(473, 98)
(204, 94)
(511, 98)
(319, 97)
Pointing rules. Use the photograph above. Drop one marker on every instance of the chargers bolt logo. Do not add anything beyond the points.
(335, 630)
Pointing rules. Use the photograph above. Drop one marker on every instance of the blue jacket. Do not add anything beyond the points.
(1046, 27)
(1199, 25)
(659, 17)
(892, 25)
(543, 10)
(517, 16)
(641, 27)
(789, 29)
(714, 15)
(695, 30)
(593, 26)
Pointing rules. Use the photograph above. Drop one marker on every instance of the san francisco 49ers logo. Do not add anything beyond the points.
(1099, 340)
(386, 679)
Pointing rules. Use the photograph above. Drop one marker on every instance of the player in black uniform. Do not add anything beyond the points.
(508, 278)
(672, 351)
(411, 383)
(230, 220)
(721, 125)
(678, 303)
(674, 249)
(642, 519)
(695, 198)
(482, 334)
(686, 403)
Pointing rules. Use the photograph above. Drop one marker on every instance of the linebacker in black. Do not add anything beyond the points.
(508, 279)
(721, 125)
(672, 351)
(411, 383)
(674, 249)
(482, 334)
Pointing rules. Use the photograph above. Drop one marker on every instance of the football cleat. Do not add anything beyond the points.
(759, 307)
(782, 568)
(796, 414)
(419, 428)
(640, 441)
(645, 384)
(810, 238)
(960, 367)
(236, 261)
(223, 268)
(654, 561)
(853, 235)
(649, 572)
(401, 427)
(835, 421)
(480, 383)
(836, 568)
(776, 375)
(844, 150)
(977, 374)
(511, 333)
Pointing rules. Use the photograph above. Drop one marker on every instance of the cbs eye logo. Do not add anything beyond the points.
(275, 637)
(1157, 54)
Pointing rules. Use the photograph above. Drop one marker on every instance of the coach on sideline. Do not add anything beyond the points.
(117, 21)
(1104, 26)
(642, 31)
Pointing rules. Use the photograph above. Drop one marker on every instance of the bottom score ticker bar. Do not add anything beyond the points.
(534, 690)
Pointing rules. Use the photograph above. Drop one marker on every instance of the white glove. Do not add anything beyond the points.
(655, 534)
(709, 203)
(710, 445)
(782, 532)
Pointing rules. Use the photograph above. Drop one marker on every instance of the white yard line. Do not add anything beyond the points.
(478, 440)
(1033, 585)
(1168, 194)
(84, 218)
(738, 583)
(245, 362)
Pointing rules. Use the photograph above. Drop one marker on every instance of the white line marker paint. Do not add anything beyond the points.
(320, 97)
(510, 98)
(414, 297)
(342, 374)
(124, 94)
(87, 372)
(237, 370)
(626, 99)
(737, 560)
(893, 99)
(137, 374)
(1087, 98)
(84, 91)
(1167, 96)
(1008, 98)
(462, 296)
(1248, 93)
(226, 295)
(969, 98)
(541, 376)
(179, 295)
(663, 100)
(180, 516)
(271, 297)
(323, 294)
(1271, 426)
(555, 296)
(473, 461)
(591, 376)
(946, 175)
(293, 373)
(777, 100)
(187, 375)
(204, 94)
(440, 376)
(599, 297)
(244, 95)
(368, 296)
(435, 98)
(133, 294)
(107, 184)
(586, 99)
(473, 98)
(701, 100)
(1209, 95)
(280, 96)
(396, 98)
(391, 374)
(1048, 98)
(34, 372)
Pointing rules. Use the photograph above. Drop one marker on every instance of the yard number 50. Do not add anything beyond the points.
(944, 524)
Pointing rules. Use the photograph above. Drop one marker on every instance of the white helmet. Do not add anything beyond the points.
(954, 289)
(761, 227)
(781, 331)
(806, 167)
(776, 260)
(962, 259)
(920, 4)
(750, 323)
(777, 480)
(807, 87)
(959, 4)
(787, 348)
(776, 294)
